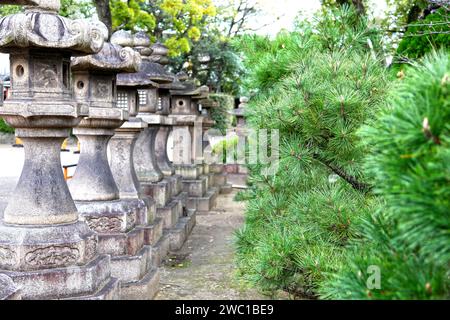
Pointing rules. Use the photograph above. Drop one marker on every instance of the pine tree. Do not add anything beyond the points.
(317, 87)
(408, 240)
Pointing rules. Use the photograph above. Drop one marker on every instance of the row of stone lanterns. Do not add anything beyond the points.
(104, 235)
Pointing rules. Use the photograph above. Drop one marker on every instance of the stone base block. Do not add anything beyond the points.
(148, 214)
(121, 244)
(226, 189)
(28, 248)
(144, 289)
(204, 203)
(8, 290)
(176, 185)
(182, 197)
(237, 180)
(63, 283)
(196, 188)
(159, 191)
(192, 221)
(160, 250)
(216, 168)
(188, 171)
(211, 180)
(132, 268)
(220, 179)
(182, 230)
(110, 216)
(153, 232)
(111, 291)
(170, 213)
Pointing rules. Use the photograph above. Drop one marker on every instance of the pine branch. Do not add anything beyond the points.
(353, 181)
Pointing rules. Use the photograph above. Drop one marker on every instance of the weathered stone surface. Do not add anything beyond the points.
(63, 283)
(41, 196)
(145, 163)
(93, 179)
(45, 29)
(110, 291)
(144, 289)
(122, 162)
(8, 290)
(162, 158)
(40, 247)
(196, 188)
(132, 268)
(111, 59)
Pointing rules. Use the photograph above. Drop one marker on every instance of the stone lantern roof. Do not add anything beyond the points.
(190, 89)
(42, 27)
(112, 58)
(150, 73)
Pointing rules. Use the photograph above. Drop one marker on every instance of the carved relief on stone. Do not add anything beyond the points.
(46, 75)
(7, 257)
(102, 89)
(105, 224)
(53, 256)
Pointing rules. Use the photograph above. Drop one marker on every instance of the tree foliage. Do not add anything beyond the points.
(409, 156)
(424, 35)
(317, 88)
(178, 23)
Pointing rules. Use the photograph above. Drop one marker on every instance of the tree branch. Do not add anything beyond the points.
(353, 181)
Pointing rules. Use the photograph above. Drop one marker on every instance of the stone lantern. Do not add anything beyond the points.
(237, 173)
(188, 143)
(214, 171)
(44, 248)
(115, 220)
(164, 187)
(123, 143)
(239, 112)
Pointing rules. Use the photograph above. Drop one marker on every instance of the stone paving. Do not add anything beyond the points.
(204, 268)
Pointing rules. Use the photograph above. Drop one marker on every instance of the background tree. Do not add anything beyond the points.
(176, 23)
(359, 5)
(425, 35)
(104, 13)
(215, 60)
(234, 17)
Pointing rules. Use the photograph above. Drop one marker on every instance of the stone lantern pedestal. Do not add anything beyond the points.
(44, 248)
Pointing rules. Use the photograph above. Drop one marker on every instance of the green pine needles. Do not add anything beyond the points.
(408, 240)
(317, 87)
